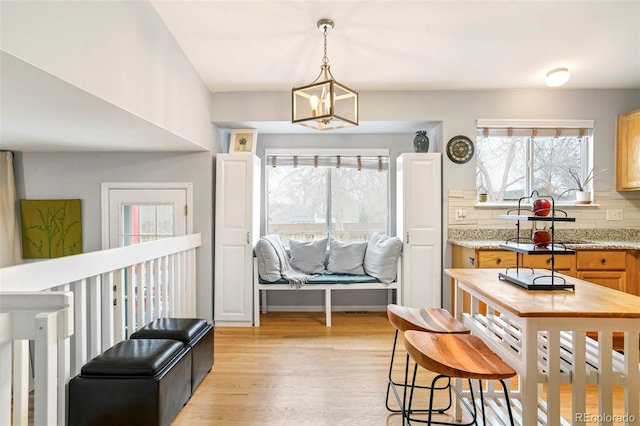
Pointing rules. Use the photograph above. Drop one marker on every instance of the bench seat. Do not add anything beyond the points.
(329, 279)
(321, 282)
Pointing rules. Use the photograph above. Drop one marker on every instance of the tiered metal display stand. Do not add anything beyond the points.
(525, 276)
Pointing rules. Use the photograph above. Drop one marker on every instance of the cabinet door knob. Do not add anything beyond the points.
(498, 261)
(603, 261)
(548, 261)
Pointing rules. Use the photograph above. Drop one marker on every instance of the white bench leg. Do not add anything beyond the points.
(327, 306)
(256, 307)
(264, 301)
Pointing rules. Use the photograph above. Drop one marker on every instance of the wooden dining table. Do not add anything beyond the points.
(542, 334)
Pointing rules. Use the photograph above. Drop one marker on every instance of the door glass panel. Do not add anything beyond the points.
(147, 222)
(165, 220)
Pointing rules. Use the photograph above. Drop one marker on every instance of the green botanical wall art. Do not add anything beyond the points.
(50, 228)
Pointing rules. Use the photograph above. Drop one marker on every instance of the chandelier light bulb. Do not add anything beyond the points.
(313, 100)
(557, 77)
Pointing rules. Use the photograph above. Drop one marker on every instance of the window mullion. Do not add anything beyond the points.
(529, 162)
(328, 212)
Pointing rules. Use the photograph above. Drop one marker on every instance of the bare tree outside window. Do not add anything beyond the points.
(510, 167)
(307, 202)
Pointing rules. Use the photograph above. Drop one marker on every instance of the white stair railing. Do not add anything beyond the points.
(101, 298)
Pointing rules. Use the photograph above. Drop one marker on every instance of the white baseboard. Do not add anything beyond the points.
(320, 308)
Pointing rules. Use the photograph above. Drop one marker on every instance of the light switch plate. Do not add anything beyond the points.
(614, 214)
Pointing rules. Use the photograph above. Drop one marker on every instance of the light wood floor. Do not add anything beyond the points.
(295, 371)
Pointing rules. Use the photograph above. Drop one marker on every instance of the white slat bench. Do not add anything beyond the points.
(323, 282)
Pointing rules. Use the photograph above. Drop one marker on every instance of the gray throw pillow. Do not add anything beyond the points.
(381, 257)
(268, 261)
(346, 258)
(308, 256)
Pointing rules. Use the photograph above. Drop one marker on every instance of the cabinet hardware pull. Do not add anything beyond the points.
(548, 261)
(603, 261)
(498, 261)
(248, 238)
(407, 238)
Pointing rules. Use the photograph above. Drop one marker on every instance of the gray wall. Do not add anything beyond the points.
(80, 175)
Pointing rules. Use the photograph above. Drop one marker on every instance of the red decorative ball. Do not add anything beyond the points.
(541, 207)
(541, 238)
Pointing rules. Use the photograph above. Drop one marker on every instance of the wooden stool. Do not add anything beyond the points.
(434, 320)
(456, 356)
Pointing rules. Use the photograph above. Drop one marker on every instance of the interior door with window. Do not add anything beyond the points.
(138, 213)
(141, 215)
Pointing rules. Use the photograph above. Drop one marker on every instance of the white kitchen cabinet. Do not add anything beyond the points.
(236, 234)
(419, 224)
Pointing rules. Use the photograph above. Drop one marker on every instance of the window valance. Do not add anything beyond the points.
(534, 128)
(359, 162)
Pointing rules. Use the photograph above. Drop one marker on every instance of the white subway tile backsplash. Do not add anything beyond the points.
(587, 217)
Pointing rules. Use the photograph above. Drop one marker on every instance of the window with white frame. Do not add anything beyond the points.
(515, 157)
(344, 196)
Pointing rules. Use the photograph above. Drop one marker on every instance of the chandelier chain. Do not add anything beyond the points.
(325, 59)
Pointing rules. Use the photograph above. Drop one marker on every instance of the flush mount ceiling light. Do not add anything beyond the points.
(557, 77)
(324, 104)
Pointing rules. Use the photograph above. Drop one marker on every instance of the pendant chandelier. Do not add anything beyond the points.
(324, 104)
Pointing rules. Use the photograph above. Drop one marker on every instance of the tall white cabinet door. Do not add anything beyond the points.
(236, 232)
(419, 224)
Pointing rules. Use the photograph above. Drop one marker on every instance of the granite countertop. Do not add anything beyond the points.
(583, 245)
(574, 239)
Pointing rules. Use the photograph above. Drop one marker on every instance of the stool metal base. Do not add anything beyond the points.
(392, 385)
(471, 409)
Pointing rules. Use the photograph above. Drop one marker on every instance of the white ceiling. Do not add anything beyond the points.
(259, 45)
(409, 45)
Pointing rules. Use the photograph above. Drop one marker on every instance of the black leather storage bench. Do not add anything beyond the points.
(135, 382)
(196, 334)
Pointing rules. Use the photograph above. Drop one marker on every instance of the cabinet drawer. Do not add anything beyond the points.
(600, 260)
(562, 262)
(495, 259)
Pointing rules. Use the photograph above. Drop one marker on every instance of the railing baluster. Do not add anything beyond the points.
(192, 283)
(79, 340)
(107, 308)
(171, 277)
(45, 367)
(5, 372)
(64, 370)
(131, 302)
(20, 382)
(95, 316)
(119, 308)
(180, 285)
(156, 288)
(148, 289)
(140, 277)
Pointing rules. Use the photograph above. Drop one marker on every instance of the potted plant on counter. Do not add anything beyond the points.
(583, 194)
